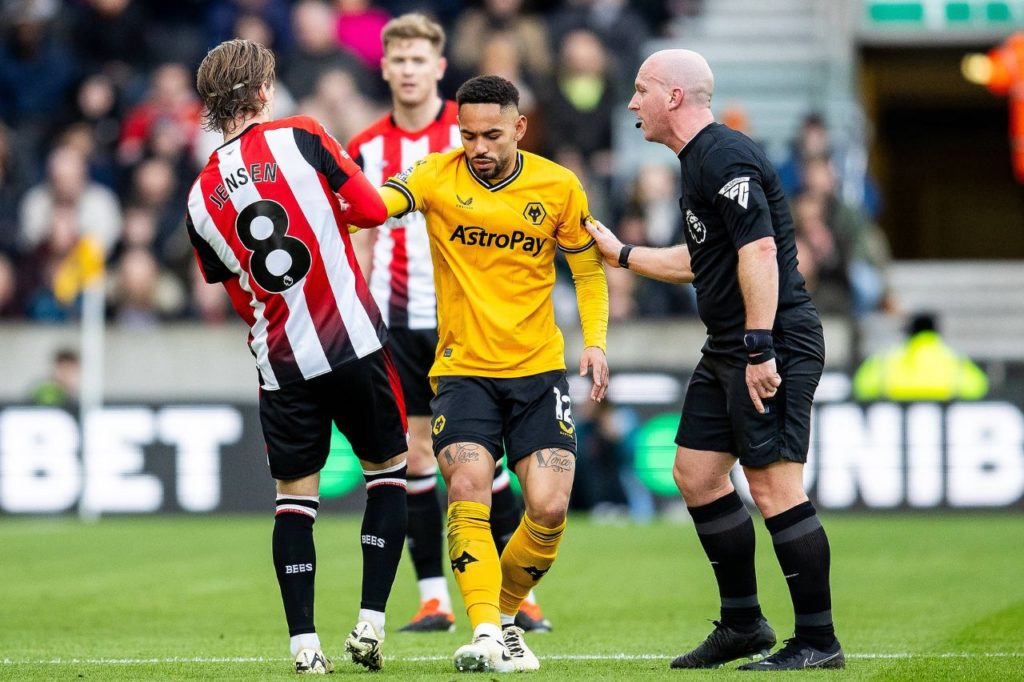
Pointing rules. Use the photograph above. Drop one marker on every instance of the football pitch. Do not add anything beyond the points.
(915, 597)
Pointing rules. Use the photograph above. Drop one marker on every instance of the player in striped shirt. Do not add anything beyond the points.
(397, 257)
(266, 221)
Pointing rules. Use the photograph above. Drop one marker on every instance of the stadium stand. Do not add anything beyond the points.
(775, 61)
(980, 305)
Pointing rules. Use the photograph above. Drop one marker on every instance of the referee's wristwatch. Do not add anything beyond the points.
(624, 256)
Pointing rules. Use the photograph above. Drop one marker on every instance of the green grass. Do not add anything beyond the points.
(915, 597)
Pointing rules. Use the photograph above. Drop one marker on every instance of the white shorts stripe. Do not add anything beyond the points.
(307, 498)
(422, 485)
(400, 482)
(295, 509)
(388, 470)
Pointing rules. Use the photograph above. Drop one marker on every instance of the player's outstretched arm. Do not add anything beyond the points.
(363, 206)
(670, 264)
(397, 203)
(392, 203)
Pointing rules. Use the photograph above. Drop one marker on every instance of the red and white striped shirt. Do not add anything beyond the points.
(402, 277)
(264, 219)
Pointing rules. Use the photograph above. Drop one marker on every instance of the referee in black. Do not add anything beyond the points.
(750, 395)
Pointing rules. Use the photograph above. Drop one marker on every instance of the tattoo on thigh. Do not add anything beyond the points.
(462, 453)
(554, 459)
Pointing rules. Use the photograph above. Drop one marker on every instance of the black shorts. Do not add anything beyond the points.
(413, 353)
(525, 414)
(363, 398)
(718, 414)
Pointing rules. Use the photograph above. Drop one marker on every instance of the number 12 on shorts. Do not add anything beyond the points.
(563, 412)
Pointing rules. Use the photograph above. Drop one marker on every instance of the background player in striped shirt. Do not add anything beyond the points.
(397, 258)
(495, 216)
(265, 221)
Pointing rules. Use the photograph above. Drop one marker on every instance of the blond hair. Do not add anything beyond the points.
(413, 25)
(229, 82)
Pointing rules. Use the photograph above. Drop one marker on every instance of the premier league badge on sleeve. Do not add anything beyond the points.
(697, 230)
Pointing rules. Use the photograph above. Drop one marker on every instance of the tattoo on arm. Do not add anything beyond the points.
(559, 461)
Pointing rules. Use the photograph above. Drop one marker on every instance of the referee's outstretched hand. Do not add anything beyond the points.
(607, 243)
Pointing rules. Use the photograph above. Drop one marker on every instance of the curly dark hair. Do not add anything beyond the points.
(229, 82)
(488, 90)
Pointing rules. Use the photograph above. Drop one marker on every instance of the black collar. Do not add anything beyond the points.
(504, 183)
(689, 145)
(238, 136)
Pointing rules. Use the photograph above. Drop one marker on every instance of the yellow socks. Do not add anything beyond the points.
(527, 557)
(475, 560)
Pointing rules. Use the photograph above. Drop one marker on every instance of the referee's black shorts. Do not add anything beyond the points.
(718, 414)
(412, 351)
(363, 398)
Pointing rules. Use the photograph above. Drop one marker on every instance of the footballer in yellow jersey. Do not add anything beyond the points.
(495, 217)
(493, 248)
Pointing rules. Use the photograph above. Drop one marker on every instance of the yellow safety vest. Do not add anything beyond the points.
(924, 368)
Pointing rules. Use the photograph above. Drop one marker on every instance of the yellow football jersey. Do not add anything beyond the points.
(493, 248)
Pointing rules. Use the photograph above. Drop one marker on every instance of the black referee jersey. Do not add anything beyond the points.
(731, 196)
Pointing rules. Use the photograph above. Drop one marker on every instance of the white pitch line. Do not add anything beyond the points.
(422, 659)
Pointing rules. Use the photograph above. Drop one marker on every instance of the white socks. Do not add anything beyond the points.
(309, 640)
(488, 629)
(374, 618)
(436, 588)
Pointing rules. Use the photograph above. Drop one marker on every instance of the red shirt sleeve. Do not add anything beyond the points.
(365, 207)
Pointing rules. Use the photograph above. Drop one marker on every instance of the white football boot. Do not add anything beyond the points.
(312, 662)
(485, 654)
(364, 643)
(523, 659)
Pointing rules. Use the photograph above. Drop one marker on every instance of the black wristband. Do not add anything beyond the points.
(624, 256)
(757, 340)
(761, 358)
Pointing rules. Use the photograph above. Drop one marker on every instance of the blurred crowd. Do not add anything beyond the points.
(100, 136)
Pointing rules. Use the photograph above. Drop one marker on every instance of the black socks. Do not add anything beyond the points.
(425, 538)
(295, 559)
(803, 552)
(727, 534)
(505, 511)
(384, 524)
